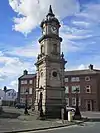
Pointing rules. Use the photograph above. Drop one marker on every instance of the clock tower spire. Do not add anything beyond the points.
(50, 11)
(50, 67)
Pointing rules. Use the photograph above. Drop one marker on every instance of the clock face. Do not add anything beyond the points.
(54, 29)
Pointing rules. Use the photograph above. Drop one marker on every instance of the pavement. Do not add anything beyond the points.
(8, 125)
(30, 122)
(94, 116)
(27, 123)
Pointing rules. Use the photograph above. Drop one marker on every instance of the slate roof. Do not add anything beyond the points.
(82, 72)
(27, 76)
(8, 90)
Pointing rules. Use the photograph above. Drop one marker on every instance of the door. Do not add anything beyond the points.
(89, 105)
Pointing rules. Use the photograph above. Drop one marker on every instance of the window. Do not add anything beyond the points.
(24, 82)
(74, 101)
(66, 79)
(75, 79)
(75, 87)
(88, 89)
(67, 101)
(66, 89)
(30, 101)
(8, 94)
(30, 81)
(14, 94)
(55, 48)
(22, 90)
(30, 90)
(42, 49)
(87, 78)
(41, 74)
(22, 100)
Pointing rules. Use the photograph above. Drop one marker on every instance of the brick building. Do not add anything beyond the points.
(88, 82)
(26, 82)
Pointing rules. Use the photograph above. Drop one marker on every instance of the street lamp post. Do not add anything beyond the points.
(77, 114)
(40, 102)
(26, 110)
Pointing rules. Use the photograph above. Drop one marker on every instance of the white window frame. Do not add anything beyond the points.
(23, 81)
(30, 81)
(30, 92)
(67, 88)
(67, 103)
(76, 86)
(74, 99)
(89, 87)
(88, 78)
(66, 79)
(75, 79)
(22, 90)
(79, 103)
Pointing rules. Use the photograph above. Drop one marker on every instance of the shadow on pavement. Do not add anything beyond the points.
(9, 115)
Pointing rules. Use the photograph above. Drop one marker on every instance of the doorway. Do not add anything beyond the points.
(89, 105)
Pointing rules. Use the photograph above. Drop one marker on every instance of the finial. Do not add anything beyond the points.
(50, 11)
(62, 55)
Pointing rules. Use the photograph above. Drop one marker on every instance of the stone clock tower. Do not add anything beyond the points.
(50, 68)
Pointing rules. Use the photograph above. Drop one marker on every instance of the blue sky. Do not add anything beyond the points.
(20, 31)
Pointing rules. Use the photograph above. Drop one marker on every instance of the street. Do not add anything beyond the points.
(93, 127)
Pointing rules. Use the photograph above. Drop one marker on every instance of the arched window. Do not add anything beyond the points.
(55, 48)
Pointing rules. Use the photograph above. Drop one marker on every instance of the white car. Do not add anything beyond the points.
(70, 109)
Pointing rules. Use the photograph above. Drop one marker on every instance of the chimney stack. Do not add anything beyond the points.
(25, 72)
(91, 67)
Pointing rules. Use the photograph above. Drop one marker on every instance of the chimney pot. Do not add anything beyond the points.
(25, 72)
(91, 67)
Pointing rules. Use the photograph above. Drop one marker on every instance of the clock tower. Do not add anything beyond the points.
(50, 68)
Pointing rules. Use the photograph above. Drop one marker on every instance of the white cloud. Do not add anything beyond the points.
(1, 53)
(12, 69)
(71, 36)
(25, 51)
(81, 23)
(69, 44)
(91, 12)
(30, 12)
(14, 66)
(14, 84)
(82, 66)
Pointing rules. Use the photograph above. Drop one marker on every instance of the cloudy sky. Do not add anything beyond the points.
(20, 31)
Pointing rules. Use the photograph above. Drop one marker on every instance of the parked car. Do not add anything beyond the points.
(70, 109)
(22, 105)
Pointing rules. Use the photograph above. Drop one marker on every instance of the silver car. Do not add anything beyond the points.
(70, 109)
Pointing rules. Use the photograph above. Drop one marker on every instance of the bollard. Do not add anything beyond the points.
(70, 118)
(62, 115)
